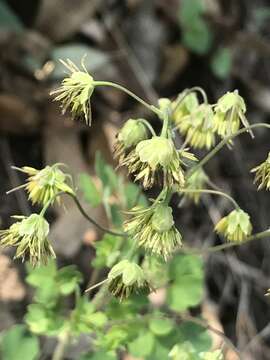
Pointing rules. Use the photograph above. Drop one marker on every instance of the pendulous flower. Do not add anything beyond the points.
(126, 278)
(198, 127)
(43, 185)
(157, 161)
(128, 137)
(75, 92)
(235, 227)
(184, 105)
(262, 174)
(153, 229)
(229, 114)
(29, 234)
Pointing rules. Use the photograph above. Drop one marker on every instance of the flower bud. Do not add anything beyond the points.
(156, 151)
(235, 227)
(132, 133)
(184, 105)
(162, 219)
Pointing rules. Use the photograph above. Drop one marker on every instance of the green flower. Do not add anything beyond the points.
(43, 185)
(157, 161)
(126, 278)
(229, 114)
(195, 181)
(29, 234)
(183, 106)
(262, 174)
(235, 227)
(199, 127)
(75, 92)
(153, 229)
(128, 137)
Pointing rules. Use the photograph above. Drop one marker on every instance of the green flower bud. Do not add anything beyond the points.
(184, 105)
(132, 133)
(162, 219)
(195, 181)
(43, 185)
(235, 227)
(156, 151)
(125, 278)
(30, 236)
(262, 174)
(75, 92)
(229, 114)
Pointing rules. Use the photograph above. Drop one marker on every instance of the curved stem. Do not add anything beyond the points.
(91, 220)
(214, 192)
(96, 285)
(59, 351)
(130, 93)
(189, 91)
(165, 126)
(224, 142)
(82, 211)
(149, 126)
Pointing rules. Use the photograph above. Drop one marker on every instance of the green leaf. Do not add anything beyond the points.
(196, 335)
(106, 251)
(8, 19)
(89, 189)
(190, 10)
(116, 215)
(143, 345)
(221, 63)
(106, 173)
(68, 278)
(160, 352)
(186, 271)
(134, 196)
(161, 327)
(197, 36)
(17, 344)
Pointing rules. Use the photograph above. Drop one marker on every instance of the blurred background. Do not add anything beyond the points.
(156, 48)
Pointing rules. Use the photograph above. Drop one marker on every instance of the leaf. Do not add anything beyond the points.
(106, 173)
(134, 196)
(93, 58)
(102, 355)
(89, 189)
(16, 343)
(143, 345)
(116, 215)
(190, 10)
(161, 327)
(197, 36)
(221, 63)
(106, 251)
(187, 288)
(68, 278)
(196, 335)
(160, 352)
(8, 19)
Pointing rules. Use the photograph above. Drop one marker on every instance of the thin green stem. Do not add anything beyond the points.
(149, 126)
(130, 93)
(59, 351)
(225, 141)
(165, 126)
(214, 192)
(189, 91)
(96, 285)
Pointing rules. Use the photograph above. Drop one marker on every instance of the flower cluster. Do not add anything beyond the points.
(262, 174)
(126, 278)
(29, 234)
(195, 181)
(153, 228)
(44, 185)
(235, 227)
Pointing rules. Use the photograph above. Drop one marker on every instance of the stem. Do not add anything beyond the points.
(189, 91)
(149, 126)
(214, 192)
(165, 126)
(130, 93)
(224, 142)
(96, 285)
(59, 351)
(91, 220)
